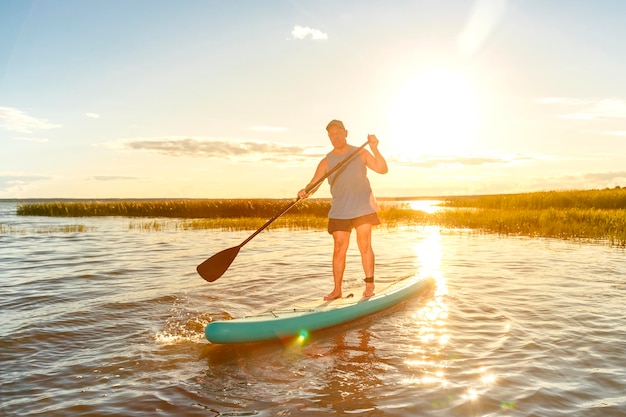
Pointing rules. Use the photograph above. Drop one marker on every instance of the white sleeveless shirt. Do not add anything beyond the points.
(350, 188)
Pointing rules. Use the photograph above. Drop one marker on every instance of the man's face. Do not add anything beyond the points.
(337, 136)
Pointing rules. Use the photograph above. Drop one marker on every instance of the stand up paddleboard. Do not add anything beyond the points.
(300, 320)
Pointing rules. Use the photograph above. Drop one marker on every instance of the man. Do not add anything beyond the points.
(353, 204)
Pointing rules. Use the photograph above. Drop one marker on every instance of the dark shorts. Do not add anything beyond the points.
(346, 225)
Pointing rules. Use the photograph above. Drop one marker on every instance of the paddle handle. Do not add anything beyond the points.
(308, 189)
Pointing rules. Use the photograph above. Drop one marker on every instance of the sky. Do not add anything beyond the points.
(230, 98)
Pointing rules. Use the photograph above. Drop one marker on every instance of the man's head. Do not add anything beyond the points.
(337, 133)
(334, 122)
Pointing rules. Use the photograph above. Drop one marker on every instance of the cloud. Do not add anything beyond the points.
(92, 115)
(27, 139)
(584, 109)
(112, 178)
(461, 161)
(568, 101)
(301, 32)
(606, 177)
(265, 151)
(274, 129)
(17, 121)
(7, 177)
(238, 150)
(11, 182)
(578, 181)
(621, 133)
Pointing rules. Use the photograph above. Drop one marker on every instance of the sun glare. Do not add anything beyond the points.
(434, 113)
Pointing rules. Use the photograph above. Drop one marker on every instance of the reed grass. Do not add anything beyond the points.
(5, 230)
(587, 215)
(391, 216)
(201, 209)
(230, 224)
(610, 199)
(576, 224)
(68, 228)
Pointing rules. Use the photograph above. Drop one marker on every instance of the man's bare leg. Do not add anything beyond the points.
(364, 241)
(341, 242)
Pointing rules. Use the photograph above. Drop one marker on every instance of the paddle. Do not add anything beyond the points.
(216, 265)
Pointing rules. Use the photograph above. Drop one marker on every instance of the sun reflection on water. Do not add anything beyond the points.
(427, 206)
(428, 357)
(432, 356)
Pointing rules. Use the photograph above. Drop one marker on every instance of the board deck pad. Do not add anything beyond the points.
(315, 315)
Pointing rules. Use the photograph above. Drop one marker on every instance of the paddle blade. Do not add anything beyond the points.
(216, 265)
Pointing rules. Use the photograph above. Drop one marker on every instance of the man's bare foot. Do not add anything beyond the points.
(332, 296)
(369, 290)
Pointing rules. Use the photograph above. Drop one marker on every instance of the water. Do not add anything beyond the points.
(110, 322)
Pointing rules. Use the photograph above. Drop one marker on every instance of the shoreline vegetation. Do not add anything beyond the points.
(582, 215)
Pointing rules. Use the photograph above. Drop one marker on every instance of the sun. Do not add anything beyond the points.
(434, 113)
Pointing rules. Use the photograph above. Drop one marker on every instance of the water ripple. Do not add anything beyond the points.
(110, 321)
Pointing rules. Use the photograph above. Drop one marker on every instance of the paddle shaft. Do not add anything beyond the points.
(214, 267)
(308, 189)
